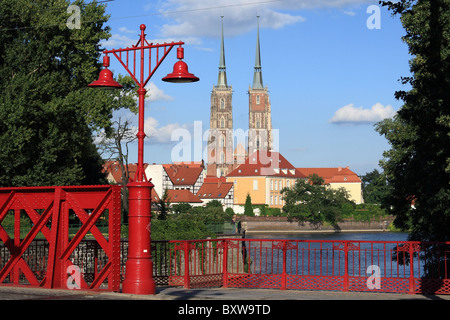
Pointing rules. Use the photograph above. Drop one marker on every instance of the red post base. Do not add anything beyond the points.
(139, 266)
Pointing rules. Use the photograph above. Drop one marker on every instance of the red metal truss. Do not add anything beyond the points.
(48, 208)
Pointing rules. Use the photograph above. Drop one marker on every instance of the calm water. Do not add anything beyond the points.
(356, 236)
(317, 258)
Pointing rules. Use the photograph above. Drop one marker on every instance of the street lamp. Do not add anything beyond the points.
(139, 266)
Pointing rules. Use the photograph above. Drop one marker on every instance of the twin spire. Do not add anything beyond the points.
(257, 75)
(222, 81)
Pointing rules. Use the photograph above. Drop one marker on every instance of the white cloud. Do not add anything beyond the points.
(349, 114)
(160, 134)
(349, 13)
(202, 17)
(119, 41)
(126, 30)
(154, 93)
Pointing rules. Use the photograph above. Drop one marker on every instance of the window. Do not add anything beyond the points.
(222, 141)
(222, 123)
(271, 200)
(271, 184)
(287, 183)
(255, 184)
(222, 103)
(257, 99)
(281, 184)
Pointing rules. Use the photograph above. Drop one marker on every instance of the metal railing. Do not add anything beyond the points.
(383, 266)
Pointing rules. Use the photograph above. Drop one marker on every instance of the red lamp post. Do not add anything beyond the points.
(139, 266)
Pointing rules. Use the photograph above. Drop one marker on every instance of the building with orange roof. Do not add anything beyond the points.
(214, 188)
(182, 177)
(263, 175)
(339, 177)
(177, 196)
(113, 171)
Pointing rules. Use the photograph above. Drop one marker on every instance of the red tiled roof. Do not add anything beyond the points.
(187, 196)
(332, 175)
(113, 167)
(214, 190)
(155, 197)
(266, 163)
(183, 174)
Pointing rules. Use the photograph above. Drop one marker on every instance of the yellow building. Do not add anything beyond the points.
(339, 178)
(263, 175)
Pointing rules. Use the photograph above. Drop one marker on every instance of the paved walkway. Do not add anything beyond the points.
(208, 294)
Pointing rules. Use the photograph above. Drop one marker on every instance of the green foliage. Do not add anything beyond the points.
(214, 204)
(185, 222)
(163, 206)
(265, 210)
(417, 165)
(183, 228)
(316, 179)
(179, 208)
(363, 212)
(47, 113)
(229, 212)
(248, 208)
(375, 187)
(316, 204)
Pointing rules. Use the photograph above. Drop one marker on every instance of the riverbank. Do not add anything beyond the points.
(312, 231)
(283, 225)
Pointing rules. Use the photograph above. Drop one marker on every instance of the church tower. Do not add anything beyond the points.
(220, 141)
(260, 121)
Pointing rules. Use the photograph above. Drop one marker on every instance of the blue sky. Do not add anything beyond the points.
(330, 77)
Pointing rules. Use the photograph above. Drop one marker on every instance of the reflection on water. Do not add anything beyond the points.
(355, 236)
(316, 258)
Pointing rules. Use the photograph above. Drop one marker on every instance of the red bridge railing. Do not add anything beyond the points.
(376, 266)
(383, 266)
(45, 255)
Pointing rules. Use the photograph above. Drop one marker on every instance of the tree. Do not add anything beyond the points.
(417, 165)
(163, 206)
(374, 187)
(315, 179)
(181, 208)
(47, 113)
(306, 202)
(248, 208)
(113, 144)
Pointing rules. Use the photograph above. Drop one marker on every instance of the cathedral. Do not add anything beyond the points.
(224, 155)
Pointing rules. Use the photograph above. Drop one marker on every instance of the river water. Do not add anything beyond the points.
(314, 257)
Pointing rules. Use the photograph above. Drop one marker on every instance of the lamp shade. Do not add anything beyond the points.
(180, 74)
(106, 81)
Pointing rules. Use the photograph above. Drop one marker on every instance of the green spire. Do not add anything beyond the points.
(222, 80)
(257, 75)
